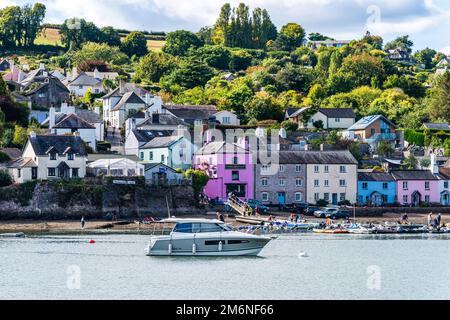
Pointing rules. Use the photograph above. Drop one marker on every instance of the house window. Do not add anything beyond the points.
(384, 198)
(337, 119)
(427, 199)
(405, 185)
(343, 197)
(298, 182)
(41, 95)
(365, 185)
(235, 160)
(19, 173)
(74, 172)
(298, 168)
(264, 169)
(52, 156)
(51, 172)
(316, 183)
(70, 156)
(163, 159)
(316, 169)
(326, 183)
(327, 169)
(151, 156)
(142, 156)
(342, 183)
(226, 120)
(427, 185)
(298, 197)
(446, 184)
(342, 169)
(265, 196)
(281, 182)
(385, 185)
(316, 196)
(235, 175)
(264, 182)
(405, 199)
(282, 168)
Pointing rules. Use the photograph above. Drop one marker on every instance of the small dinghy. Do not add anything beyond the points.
(331, 231)
(12, 235)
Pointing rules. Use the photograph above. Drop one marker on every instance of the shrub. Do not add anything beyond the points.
(5, 178)
(322, 203)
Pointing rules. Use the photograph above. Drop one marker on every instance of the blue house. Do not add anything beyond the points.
(376, 189)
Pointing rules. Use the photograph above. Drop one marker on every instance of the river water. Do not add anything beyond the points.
(336, 267)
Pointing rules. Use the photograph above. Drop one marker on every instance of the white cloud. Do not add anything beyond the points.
(6, 3)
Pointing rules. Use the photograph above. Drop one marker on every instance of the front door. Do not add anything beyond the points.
(34, 173)
(282, 198)
(416, 199)
(335, 199)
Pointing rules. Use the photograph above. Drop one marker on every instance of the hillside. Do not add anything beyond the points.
(51, 36)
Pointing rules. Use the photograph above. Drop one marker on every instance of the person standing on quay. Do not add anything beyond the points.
(83, 222)
(430, 219)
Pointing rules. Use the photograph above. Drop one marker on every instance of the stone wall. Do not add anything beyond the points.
(72, 200)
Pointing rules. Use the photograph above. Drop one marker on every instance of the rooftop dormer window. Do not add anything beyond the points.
(52, 156)
(70, 156)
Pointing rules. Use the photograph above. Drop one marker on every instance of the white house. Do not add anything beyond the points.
(50, 157)
(174, 151)
(198, 115)
(91, 117)
(80, 85)
(331, 118)
(136, 139)
(160, 174)
(331, 176)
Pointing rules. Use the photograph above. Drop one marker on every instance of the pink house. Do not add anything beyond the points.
(415, 187)
(230, 169)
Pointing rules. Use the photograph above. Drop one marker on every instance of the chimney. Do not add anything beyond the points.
(282, 133)
(96, 73)
(97, 110)
(180, 131)
(32, 134)
(121, 86)
(157, 104)
(42, 66)
(74, 73)
(155, 118)
(322, 147)
(64, 107)
(306, 147)
(51, 116)
(434, 168)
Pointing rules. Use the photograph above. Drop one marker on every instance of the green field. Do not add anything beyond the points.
(51, 37)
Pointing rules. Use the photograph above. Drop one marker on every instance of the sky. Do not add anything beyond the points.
(426, 21)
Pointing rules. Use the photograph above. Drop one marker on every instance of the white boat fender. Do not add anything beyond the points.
(220, 246)
(303, 255)
(194, 248)
(170, 248)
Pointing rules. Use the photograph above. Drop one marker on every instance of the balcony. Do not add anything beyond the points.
(381, 137)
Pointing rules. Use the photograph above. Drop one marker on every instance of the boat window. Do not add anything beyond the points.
(225, 227)
(196, 228)
(212, 243)
(183, 228)
(210, 227)
(237, 241)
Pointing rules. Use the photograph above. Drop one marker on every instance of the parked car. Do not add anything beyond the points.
(258, 204)
(298, 208)
(310, 210)
(333, 213)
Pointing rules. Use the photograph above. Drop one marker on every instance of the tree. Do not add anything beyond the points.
(439, 101)
(111, 37)
(91, 51)
(363, 69)
(20, 136)
(290, 37)
(179, 42)
(217, 57)
(410, 162)
(205, 34)
(199, 181)
(425, 163)
(264, 107)
(88, 99)
(294, 77)
(401, 42)
(190, 74)
(304, 56)
(154, 66)
(318, 124)
(411, 86)
(290, 126)
(385, 149)
(315, 36)
(5, 179)
(426, 57)
(135, 44)
(240, 60)
(75, 32)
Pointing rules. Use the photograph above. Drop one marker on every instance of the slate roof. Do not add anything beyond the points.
(147, 135)
(164, 119)
(22, 163)
(161, 142)
(191, 113)
(129, 97)
(72, 121)
(92, 157)
(88, 116)
(85, 80)
(437, 126)
(44, 82)
(413, 175)
(12, 153)
(295, 112)
(375, 176)
(220, 147)
(42, 144)
(317, 157)
(444, 173)
(127, 87)
(367, 121)
(338, 112)
(149, 166)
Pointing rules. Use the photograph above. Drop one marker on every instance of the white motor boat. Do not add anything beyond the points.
(203, 237)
